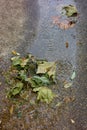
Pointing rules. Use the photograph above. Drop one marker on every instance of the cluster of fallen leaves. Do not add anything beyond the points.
(29, 72)
(70, 11)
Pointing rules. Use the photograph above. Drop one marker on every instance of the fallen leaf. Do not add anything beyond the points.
(24, 62)
(63, 24)
(56, 19)
(44, 94)
(16, 89)
(59, 104)
(24, 95)
(44, 67)
(67, 44)
(16, 60)
(19, 114)
(32, 102)
(72, 121)
(15, 53)
(47, 67)
(70, 10)
(37, 81)
(22, 75)
(52, 72)
(69, 99)
(0, 83)
(66, 25)
(67, 85)
(73, 75)
(11, 109)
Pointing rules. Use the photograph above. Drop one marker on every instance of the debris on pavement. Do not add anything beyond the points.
(63, 24)
(11, 109)
(69, 22)
(59, 104)
(44, 94)
(70, 10)
(47, 67)
(73, 75)
(0, 83)
(15, 53)
(67, 44)
(28, 72)
(72, 121)
(67, 85)
(68, 99)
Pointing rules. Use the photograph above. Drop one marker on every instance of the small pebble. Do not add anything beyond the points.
(72, 121)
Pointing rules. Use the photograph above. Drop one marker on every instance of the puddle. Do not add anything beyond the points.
(50, 42)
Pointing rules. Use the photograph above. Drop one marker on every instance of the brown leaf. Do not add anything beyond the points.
(63, 24)
(67, 44)
(56, 19)
(0, 83)
(66, 25)
(68, 99)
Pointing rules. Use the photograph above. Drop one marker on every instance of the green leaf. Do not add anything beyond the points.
(73, 75)
(24, 62)
(32, 83)
(37, 89)
(16, 89)
(52, 72)
(19, 114)
(37, 81)
(22, 75)
(16, 60)
(40, 61)
(41, 80)
(44, 94)
(70, 10)
(47, 67)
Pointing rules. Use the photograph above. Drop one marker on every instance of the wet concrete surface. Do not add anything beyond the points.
(27, 26)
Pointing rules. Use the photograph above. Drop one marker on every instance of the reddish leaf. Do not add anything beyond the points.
(63, 24)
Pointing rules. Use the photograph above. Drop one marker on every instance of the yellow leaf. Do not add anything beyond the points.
(15, 53)
(47, 67)
(67, 85)
(11, 109)
(70, 10)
